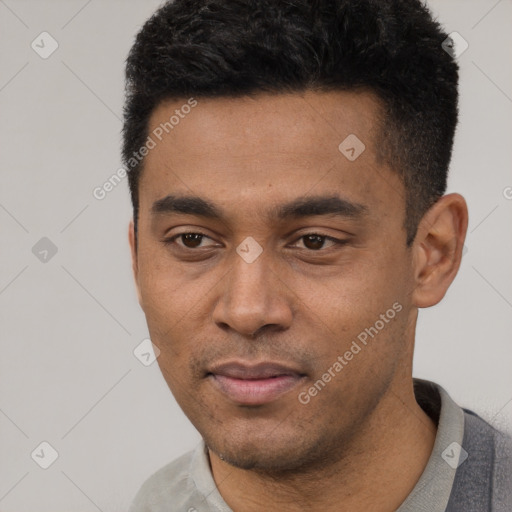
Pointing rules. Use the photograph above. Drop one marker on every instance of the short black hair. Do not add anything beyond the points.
(232, 48)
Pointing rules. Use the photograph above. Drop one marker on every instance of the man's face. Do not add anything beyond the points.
(244, 336)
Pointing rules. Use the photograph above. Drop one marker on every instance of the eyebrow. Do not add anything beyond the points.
(321, 205)
(298, 208)
(188, 205)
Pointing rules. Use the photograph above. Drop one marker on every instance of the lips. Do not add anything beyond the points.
(254, 384)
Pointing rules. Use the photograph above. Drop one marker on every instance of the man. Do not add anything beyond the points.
(287, 165)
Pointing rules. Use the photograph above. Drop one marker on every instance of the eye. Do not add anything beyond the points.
(189, 240)
(315, 242)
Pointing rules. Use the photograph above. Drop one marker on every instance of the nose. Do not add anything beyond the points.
(253, 299)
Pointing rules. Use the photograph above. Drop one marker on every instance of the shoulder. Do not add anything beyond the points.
(484, 475)
(485, 441)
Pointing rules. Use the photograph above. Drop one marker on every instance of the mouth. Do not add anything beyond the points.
(257, 384)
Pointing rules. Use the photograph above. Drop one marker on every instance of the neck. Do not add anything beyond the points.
(377, 471)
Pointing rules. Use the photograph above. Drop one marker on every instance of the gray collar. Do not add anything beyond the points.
(432, 491)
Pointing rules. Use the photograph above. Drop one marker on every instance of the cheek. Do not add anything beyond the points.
(176, 309)
(351, 299)
(167, 309)
(357, 359)
(166, 295)
(364, 304)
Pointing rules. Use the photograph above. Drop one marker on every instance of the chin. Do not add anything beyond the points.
(265, 454)
(259, 461)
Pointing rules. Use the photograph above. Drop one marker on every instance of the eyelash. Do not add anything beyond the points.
(336, 241)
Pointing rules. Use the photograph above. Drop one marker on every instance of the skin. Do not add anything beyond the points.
(362, 442)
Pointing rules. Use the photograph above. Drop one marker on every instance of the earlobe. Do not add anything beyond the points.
(438, 248)
(135, 263)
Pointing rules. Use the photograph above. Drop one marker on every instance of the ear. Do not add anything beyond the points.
(437, 249)
(135, 263)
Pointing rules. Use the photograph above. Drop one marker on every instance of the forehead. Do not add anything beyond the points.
(285, 145)
(305, 123)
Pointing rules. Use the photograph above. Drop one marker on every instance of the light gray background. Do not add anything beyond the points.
(69, 326)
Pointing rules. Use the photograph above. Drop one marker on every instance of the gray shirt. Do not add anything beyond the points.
(469, 469)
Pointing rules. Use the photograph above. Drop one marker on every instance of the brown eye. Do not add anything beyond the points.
(314, 242)
(191, 240)
(317, 242)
